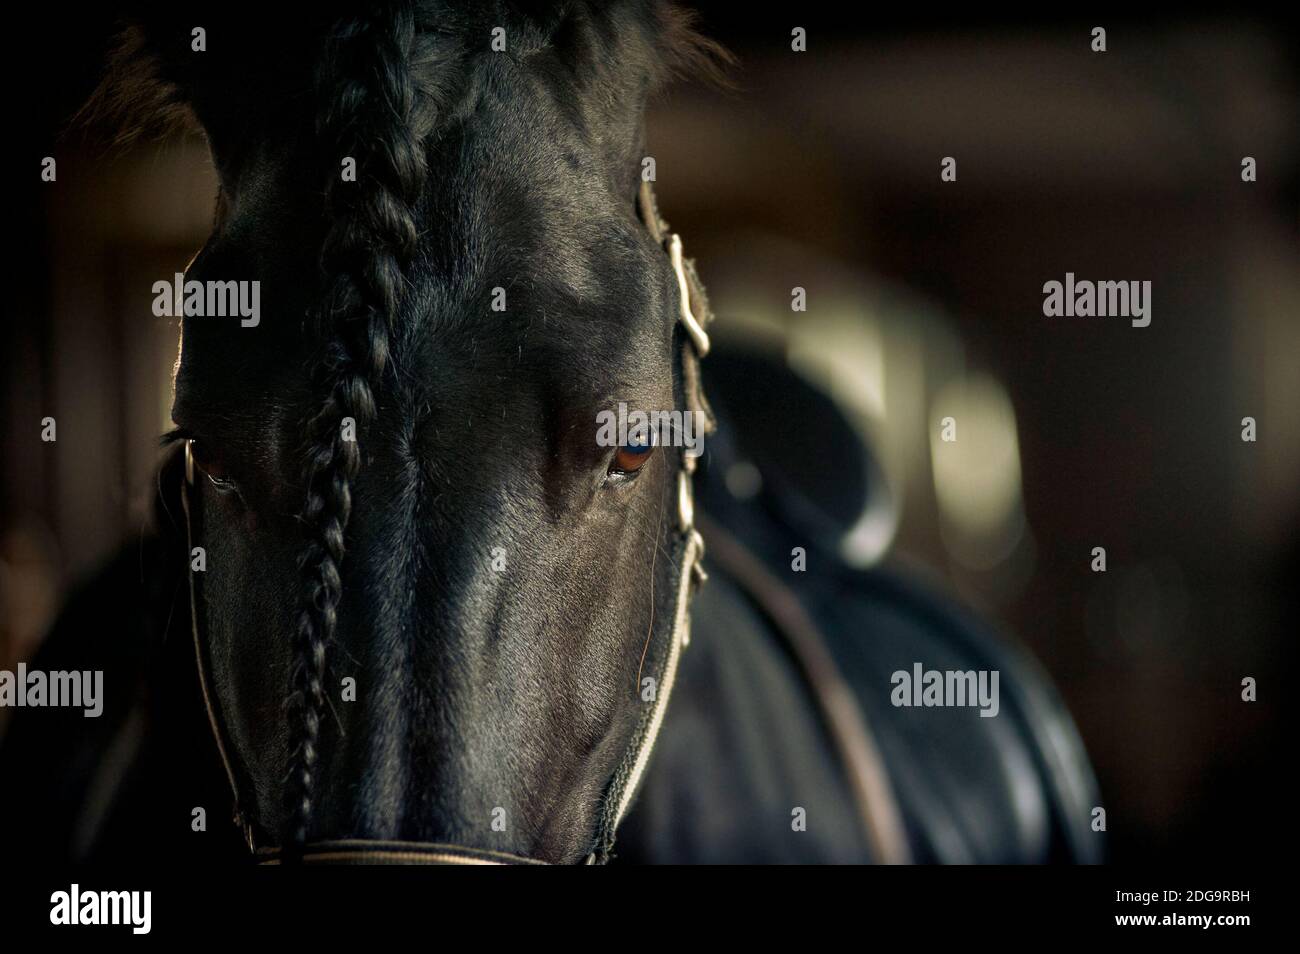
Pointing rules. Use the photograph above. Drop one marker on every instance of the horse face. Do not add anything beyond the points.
(506, 579)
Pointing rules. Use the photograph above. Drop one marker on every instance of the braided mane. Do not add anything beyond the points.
(367, 90)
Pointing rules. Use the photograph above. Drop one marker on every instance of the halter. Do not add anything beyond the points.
(688, 550)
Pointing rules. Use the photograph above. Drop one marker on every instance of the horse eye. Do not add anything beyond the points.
(630, 458)
(213, 466)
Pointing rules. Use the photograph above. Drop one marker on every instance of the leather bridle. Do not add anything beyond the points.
(688, 550)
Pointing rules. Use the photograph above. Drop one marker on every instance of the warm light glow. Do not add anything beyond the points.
(977, 475)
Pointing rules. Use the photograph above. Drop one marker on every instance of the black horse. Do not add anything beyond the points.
(400, 603)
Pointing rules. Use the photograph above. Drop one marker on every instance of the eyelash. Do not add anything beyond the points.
(223, 486)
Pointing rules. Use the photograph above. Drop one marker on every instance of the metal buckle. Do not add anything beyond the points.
(699, 337)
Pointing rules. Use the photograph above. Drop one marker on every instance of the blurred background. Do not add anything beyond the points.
(924, 300)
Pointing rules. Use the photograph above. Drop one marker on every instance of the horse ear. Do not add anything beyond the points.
(686, 53)
(135, 98)
(170, 68)
(633, 43)
(614, 55)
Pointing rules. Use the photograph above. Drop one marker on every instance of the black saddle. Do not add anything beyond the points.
(785, 470)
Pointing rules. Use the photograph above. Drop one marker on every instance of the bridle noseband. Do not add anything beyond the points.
(688, 547)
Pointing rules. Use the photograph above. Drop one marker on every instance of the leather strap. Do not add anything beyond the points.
(851, 736)
(863, 765)
(623, 788)
(350, 851)
(215, 722)
(696, 314)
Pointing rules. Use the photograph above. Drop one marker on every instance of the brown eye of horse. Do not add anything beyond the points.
(211, 465)
(629, 458)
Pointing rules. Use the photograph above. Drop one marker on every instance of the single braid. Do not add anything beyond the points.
(367, 89)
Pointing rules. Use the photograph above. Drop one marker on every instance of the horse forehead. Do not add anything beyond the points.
(537, 294)
(549, 329)
(531, 269)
